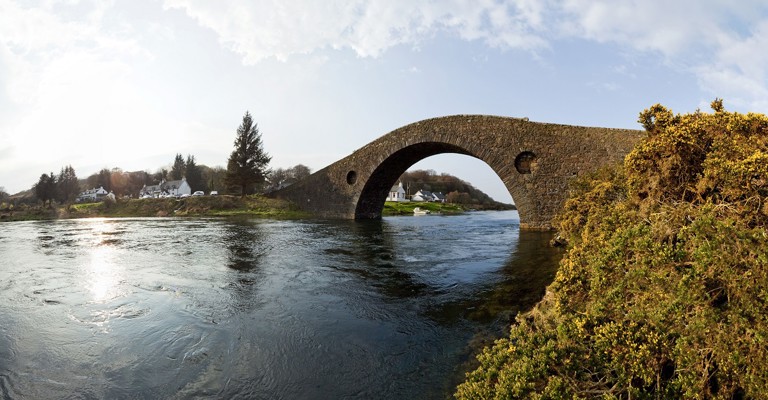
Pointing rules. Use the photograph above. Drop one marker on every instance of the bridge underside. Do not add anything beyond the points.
(534, 160)
(376, 189)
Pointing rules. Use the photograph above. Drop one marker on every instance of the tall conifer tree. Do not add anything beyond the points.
(193, 174)
(45, 189)
(178, 169)
(68, 185)
(247, 165)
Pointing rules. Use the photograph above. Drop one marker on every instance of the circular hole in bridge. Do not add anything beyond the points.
(525, 161)
(351, 177)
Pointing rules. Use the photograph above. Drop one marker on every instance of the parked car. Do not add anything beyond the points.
(214, 193)
(198, 193)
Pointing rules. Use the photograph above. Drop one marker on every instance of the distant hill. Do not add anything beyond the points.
(455, 189)
(24, 194)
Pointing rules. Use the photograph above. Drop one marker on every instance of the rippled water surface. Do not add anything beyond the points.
(164, 308)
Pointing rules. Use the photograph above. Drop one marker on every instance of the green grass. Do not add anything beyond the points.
(406, 208)
(205, 206)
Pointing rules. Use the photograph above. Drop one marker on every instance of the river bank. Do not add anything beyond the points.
(406, 208)
(203, 206)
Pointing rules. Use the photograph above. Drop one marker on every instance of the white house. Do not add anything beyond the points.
(423, 195)
(177, 188)
(151, 190)
(169, 188)
(92, 195)
(397, 193)
(426, 195)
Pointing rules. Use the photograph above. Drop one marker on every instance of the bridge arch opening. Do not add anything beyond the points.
(375, 191)
(471, 170)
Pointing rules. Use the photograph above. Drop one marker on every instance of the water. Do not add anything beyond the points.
(180, 308)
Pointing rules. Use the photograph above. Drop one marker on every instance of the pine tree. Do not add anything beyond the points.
(104, 179)
(247, 165)
(193, 174)
(160, 175)
(68, 186)
(178, 169)
(45, 188)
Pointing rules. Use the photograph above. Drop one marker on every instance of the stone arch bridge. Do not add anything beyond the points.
(534, 160)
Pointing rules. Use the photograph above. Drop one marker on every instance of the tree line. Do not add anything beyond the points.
(247, 172)
(456, 190)
(63, 187)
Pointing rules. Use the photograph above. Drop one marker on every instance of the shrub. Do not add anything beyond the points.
(663, 292)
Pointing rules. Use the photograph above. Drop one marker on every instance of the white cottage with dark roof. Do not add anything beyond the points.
(423, 195)
(92, 195)
(169, 188)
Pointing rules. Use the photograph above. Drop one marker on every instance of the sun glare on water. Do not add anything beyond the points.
(103, 277)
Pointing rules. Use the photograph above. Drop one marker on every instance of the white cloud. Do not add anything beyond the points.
(69, 77)
(737, 89)
(33, 41)
(721, 42)
(667, 27)
(706, 38)
(281, 28)
(740, 68)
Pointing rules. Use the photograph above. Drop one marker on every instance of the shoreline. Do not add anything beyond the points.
(205, 206)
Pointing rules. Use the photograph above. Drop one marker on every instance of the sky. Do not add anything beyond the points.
(131, 83)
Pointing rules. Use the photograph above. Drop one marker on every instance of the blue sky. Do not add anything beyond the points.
(129, 84)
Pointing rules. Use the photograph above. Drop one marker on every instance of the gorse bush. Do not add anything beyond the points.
(663, 293)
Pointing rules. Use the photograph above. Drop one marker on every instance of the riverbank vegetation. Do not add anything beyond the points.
(456, 190)
(664, 289)
(406, 208)
(246, 173)
(195, 206)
